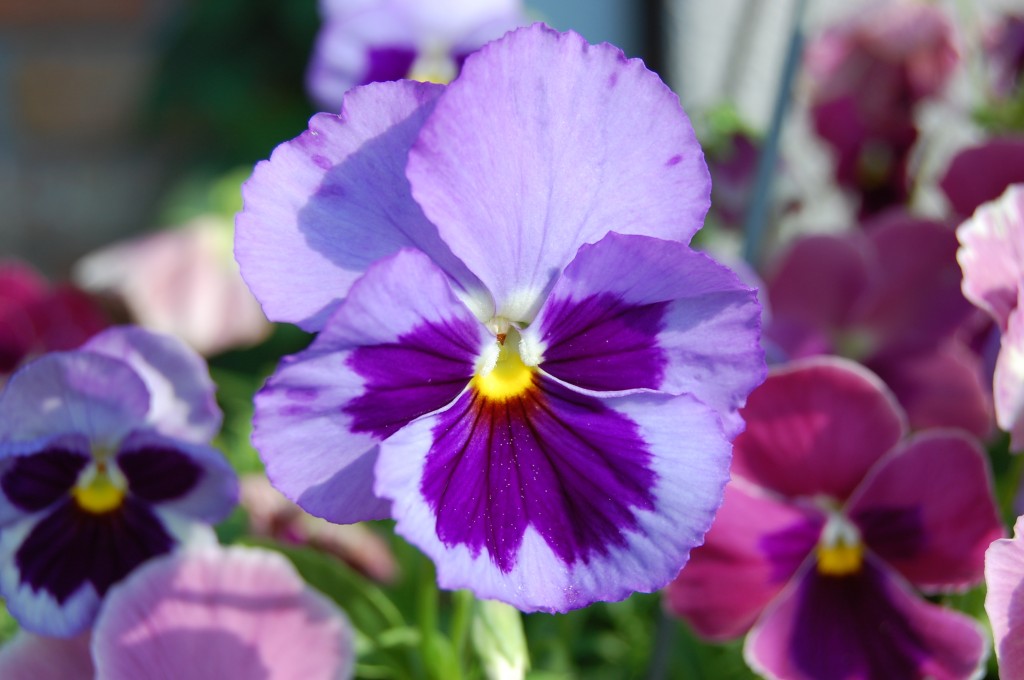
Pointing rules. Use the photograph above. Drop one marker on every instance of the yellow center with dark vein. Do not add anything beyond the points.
(99, 489)
(510, 377)
(840, 550)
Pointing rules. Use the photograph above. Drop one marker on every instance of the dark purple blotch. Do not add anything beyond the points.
(787, 548)
(37, 481)
(892, 533)
(604, 343)
(159, 474)
(388, 63)
(561, 462)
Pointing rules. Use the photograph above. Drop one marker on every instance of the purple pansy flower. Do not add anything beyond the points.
(832, 515)
(367, 41)
(104, 463)
(1004, 575)
(992, 258)
(543, 405)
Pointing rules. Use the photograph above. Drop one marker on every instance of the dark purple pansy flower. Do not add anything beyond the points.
(368, 41)
(104, 463)
(832, 517)
(544, 406)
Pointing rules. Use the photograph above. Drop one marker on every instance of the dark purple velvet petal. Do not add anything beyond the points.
(388, 63)
(562, 462)
(158, 474)
(38, 480)
(70, 547)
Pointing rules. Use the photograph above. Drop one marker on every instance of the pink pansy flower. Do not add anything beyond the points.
(867, 74)
(992, 258)
(1004, 576)
(889, 298)
(981, 173)
(831, 520)
(182, 282)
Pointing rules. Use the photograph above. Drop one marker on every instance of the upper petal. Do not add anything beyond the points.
(635, 312)
(981, 173)
(334, 200)
(816, 427)
(400, 346)
(1004, 577)
(545, 143)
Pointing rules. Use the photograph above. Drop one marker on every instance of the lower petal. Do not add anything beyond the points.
(35, 657)
(868, 625)
(1004, 574)
(554, 500)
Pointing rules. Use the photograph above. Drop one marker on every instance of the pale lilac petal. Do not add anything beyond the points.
(636, 312)
(181, 393)
(400, 346)
(545, 143)
(992, 254)
(928, 510)
(73, 392)
(34, 657)
(1008, 381)
(753, 549)
(553, 500)
(1004, 577)
(217, 614)
(316, 216)
(816, 427)
(868, 625)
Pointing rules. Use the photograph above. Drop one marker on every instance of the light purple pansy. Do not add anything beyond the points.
(992, 258)
(832, 517)
(544, 406)
(367, 41)
(104, 463)
(1004, 577)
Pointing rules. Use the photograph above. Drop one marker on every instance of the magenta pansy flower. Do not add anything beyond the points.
(992, 258)
(888, 297)
(218, 613)
(518, 356)
(982, 173)
(104, 463)
(366, 41)
(1004, 576)
(832, 519)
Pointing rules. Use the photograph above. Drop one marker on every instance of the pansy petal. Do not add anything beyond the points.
(992, 254)
(637, 312)
(928, 510)
(552, 500)
(1004, 577)
(1008, 381)
(215, 614)
(805, 428)
(191, 479)
(868, 625)
(981, 173)
(34, 480)
(182, 402)
(315, 215)
(86, 393)
(34, 657)
(400, 346)
(516, 185)
(751, 552)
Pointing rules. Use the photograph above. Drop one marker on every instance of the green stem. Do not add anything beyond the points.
(463, 603)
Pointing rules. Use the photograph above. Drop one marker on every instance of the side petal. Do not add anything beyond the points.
(928, 510)
(868, 625)
(334, 200)
(545, 143)
(1004, 576)
(221, 613)
(816, 427)
(981, 173)
(34, 657)
(637, 312)
(1008, 381)
(553, 500)
(76, 392)
(753, 549)
(400, 346)
(181, 393)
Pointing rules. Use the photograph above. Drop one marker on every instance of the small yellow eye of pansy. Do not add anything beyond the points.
(840, 550)
(509, 377)
(433, 65)
(99, 489)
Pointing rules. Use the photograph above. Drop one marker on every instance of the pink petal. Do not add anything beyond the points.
(1004, 576)
(1008, 381)
(34, 657)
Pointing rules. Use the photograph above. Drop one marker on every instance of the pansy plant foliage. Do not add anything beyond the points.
(104, 463)
(519, 358)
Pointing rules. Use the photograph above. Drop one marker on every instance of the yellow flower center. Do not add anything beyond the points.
(433, 65)
(509, 377)
(99, 489)
(840, 550)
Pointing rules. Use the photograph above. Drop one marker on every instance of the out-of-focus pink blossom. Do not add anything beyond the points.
(182, 282)
(867, 76)
(37, 318)
(271, 515)
(1004, 47)
(888, 297)
(34, 657)
(992, 258)
(1004, 576)
(832, 518)
(981, 173)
